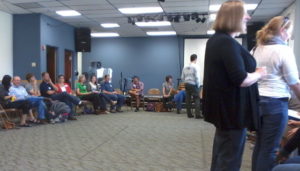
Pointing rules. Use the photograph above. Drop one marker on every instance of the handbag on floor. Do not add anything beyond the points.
(6, 123)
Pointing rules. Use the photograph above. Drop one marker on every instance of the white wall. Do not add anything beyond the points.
(197, 46)
(6, 44)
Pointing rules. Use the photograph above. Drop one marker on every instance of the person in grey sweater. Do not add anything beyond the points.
(190, 76)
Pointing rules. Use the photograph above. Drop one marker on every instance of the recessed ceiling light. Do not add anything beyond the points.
(161, 33)
(110, 25)
(214, 8)
(68, 13)
(211, 32)
(141, 10)
(153, 23)
(105, 35)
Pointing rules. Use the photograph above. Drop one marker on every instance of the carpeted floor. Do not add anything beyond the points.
(122, 142)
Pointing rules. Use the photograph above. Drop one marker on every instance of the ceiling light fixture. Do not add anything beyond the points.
(161, 33)
(210, 32)
(216, 7)
(141, 10)
(68, 13)
(212, 17)
(105, 34)
(153, 23)
(110, 25)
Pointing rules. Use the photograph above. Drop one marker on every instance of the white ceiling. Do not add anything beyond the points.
(95, 12)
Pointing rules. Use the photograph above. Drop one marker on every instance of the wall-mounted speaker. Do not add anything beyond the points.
(83, 39)
(252, 28)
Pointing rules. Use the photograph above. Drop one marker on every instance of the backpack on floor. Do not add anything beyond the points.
(150, 107)
(60, 112)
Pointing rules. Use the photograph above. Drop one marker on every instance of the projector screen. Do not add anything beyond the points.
(197, 46)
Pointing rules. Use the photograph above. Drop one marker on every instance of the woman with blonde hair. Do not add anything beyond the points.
(273, 53)
(230, 93)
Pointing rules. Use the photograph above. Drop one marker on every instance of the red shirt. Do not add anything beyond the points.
(66, 88)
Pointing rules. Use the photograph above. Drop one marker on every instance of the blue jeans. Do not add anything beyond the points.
(228, 150)
(68, 99)
(179, 98)
(274, 117)
(116, 97)
(292, 164)
(38, 102)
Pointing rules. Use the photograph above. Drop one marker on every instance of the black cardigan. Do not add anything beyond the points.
(225, 103)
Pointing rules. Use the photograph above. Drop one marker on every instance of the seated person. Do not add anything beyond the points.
(48, 89)
(179, 98)
(32, 87)
(167, 90)
(20, 93)
(136, 91)
(94, 87)
(62, 86)
(9, 101)
(108, 89)
(84, 94)
(293, 163)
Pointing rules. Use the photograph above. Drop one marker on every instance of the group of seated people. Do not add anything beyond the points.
(169, 93)
(33, 96)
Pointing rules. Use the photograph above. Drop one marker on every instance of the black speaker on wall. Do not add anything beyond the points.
(83, 39)
(252, 28)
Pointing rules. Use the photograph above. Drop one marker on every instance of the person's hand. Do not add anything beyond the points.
(166, 96)
(291, 133)
(262, 71)
(280, 158)
(293, 123)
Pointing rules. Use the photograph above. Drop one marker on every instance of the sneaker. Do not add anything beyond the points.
(114, 103)
(119, 110)
(72, 118)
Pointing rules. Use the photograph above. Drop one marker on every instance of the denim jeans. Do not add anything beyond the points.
(274, 117)
(179, 98)
(38, 102)
(228, 150)
(68, 99)
(116, 97)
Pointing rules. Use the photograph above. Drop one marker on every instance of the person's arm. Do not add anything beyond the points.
(290, 71)
(81, 94)
(235, 66)
(53, 85)
(164, 91)
(290, 146)
(253, 77)
(107, 92)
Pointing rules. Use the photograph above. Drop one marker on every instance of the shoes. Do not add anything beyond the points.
(119, 111)
(43, 121)
(199, 117)
(136, 110)
(178, 111)
(102, 112)
(25, 125)
(112, 111)
(72, 118)
(190, 116)
(114, 103)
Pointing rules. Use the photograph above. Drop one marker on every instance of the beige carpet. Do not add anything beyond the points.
(115, 142)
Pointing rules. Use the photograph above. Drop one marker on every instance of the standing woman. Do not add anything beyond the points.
(230, 93)
(272, 51)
